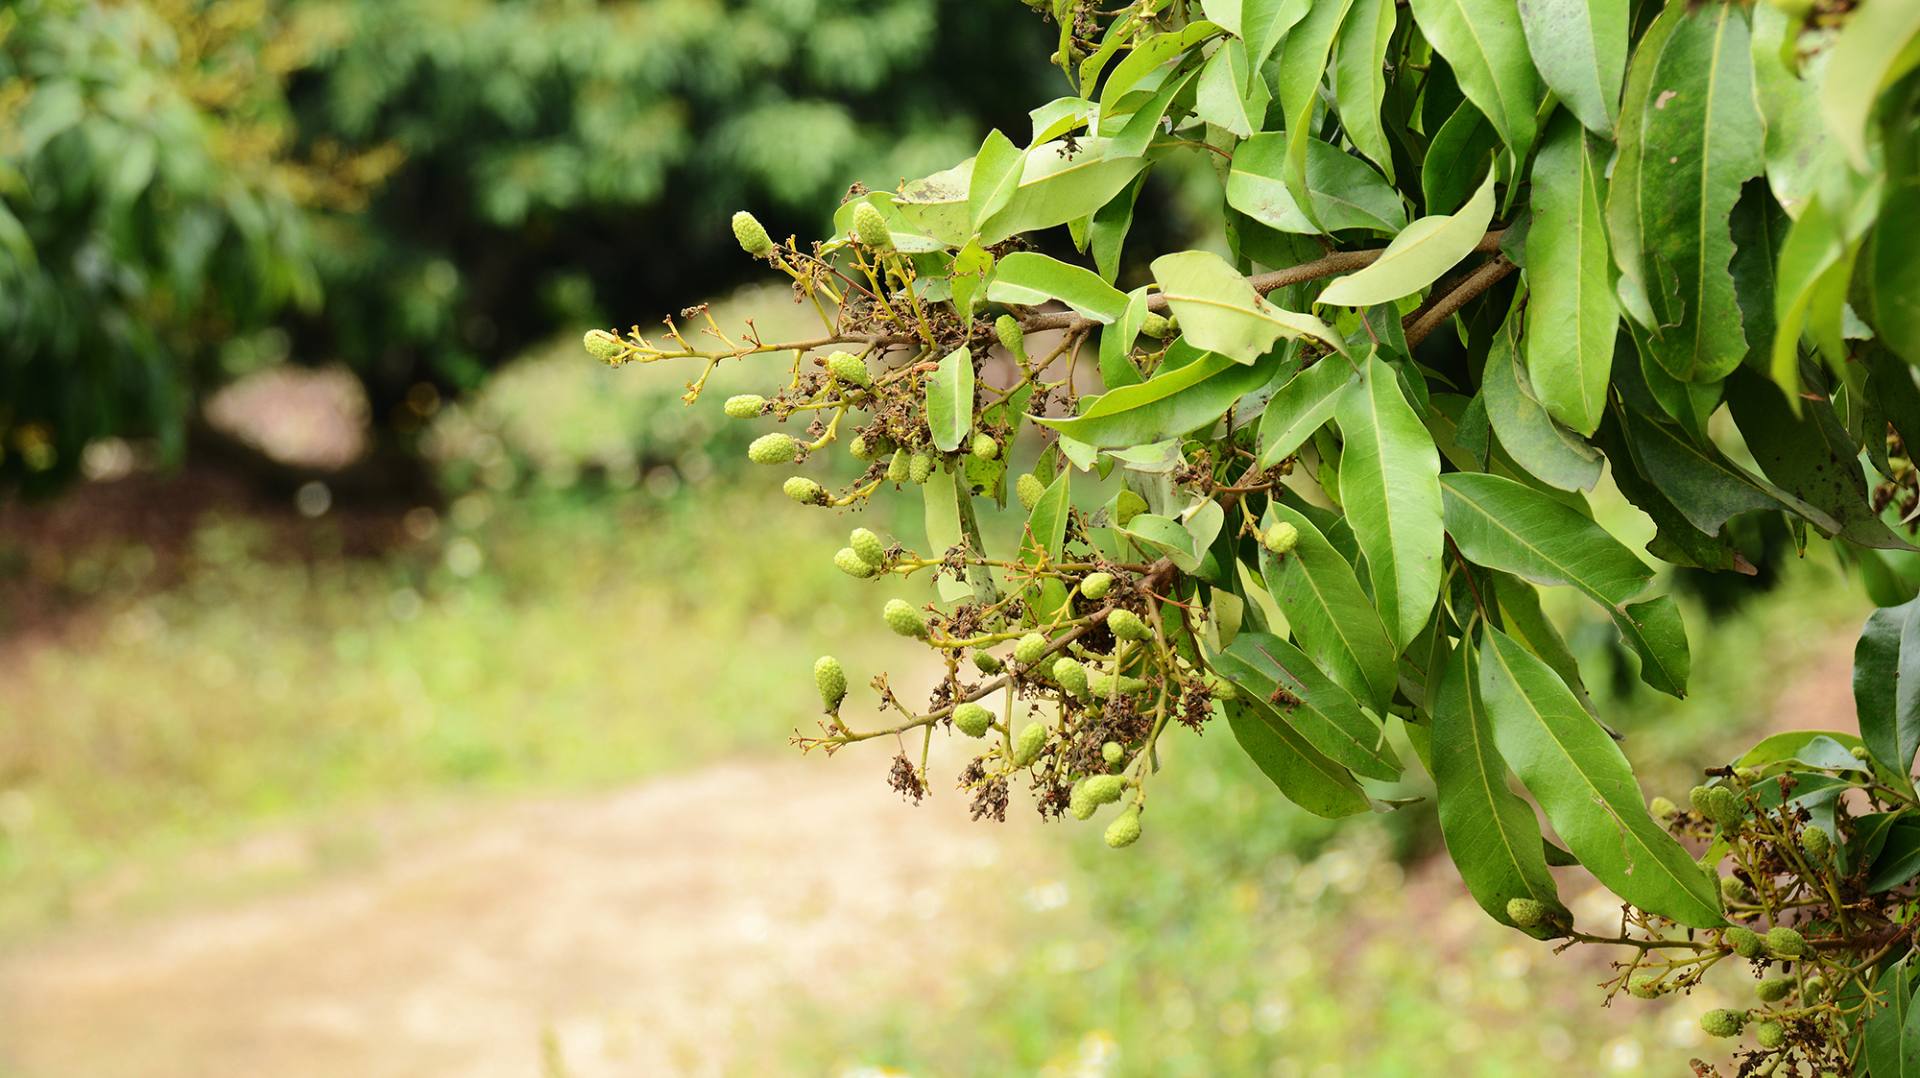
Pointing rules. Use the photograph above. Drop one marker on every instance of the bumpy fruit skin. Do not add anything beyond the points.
(775, 448)
(1026, 747)
(831, 679)
(1733, 890)
(920, 468)
(1096, 585)
(871, 227)
(1646, 986)
(1105, 686)
(1112, 753)
(1029, 488)
(1773, 989)
(972, 720)
(1071, 676)
(1124, 831)
(1078, 804)
(1012, 337)
(1527, 912)
(1104, 789)
(1722, 1023)
(1028, 649)
(1220, 687)
(863, 448)
(1126, 625)
(900, 466)
(868, 546)
(1816, 843)
(752, 235)
(1701, 798)
(1746, 942)
(902, 618)
(804, 490)
(852, 564)
(1157, 326)
(1784, 942)
(849, 368)
(987, 662)
(1769, 1035)
(1662, 809)
(602, 345)
(1281, 538)
(744, 405)
(984, 447)
(1815, 988)
(1858, 752)
(1724, 807)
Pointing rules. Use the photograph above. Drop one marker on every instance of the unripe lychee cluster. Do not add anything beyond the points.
(870, 227)
(868, 545)
(1029, 488)
(1096, 585)
(1126, 625)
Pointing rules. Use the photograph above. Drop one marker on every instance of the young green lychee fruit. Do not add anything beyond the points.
(920, 467)
(849, 368)
(1784, 942)
(1722, 1022)
(972, 719)
(1769, 1035)
(899, 467)
(1858, 752)
(1646, 986)
(902, 618)
(1220, 687)
(1096, 585)
(1078, 804)
(868, 546)
(1126, 625)
(1104, 686)
(1104, 789)
(1527, 912)
(1281, 538)
(1028, 649)
(775, 448)
(871, 227)
(752, 235)
(1662, 809)
(1124, 831)
(987, 662)
(831, 679)
(1733, 890)
(1815, 988)
(1012, 337)
(1701, 798)
(1158, 326)
(1027, 746)
(602, 345)
(804, 490)
(1773, 989)
(863, 448)
(1112, 753)
(984, 447)
(852, 564)
(1816, 842)
(1029, 488)
(1745, 942)
(1071, 676)
(744, 405)
(1725, 808)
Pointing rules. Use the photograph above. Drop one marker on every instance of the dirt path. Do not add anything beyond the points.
(642, 932)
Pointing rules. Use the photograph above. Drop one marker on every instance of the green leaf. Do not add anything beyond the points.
(1580, 49)
(1226, 95)
(1899, 859)
(1886, 685)
(1571, 316)
(1303, 60)
(1879, 44)
(1696, 139)
(1418, 256)
(1059, 116)
(1492, 834)
(943, 496)
(1359, 79)
(1827, 750)
(1654, 631)
(1815, 266)
(996, 175)
(1327, 715)
(1623, 191)
(1704, 485)
(1798, 149)
(1345, 192)
(1553, 454)
(1583, 782)
(1891, 1042)
(1044, 541)
(1146, 56)
(1260, 23)
(1390, 486)
(1483, 42)
(1184, 543)
(1505, 525)
(1220, 312)
(935, 205)
(1060, 182)
(1116, 343)
(1892, 274)
(1524, 620)
(1031, 278)
(950, 400)
(1306, 777)
(1169, 404)
(1677, 541)
(1300, 407)
(1464, 147)
(1330, 615)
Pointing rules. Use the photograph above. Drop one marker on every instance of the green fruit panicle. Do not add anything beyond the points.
(1646, 986)
(804, 490)
(744, 405)
(1029, 488)
(868, 545)
(1527, 912)
(1725, 808)
(752, 235)
(1701, 798)
(902, 618)
(972, 719)
(1096, 585)
(870, 226)
(1816, 842)
(831, 679)
(1156, 325)
(603, 346)
(1078, 804)
(849, 368)
(1124, 831)
(1029, 648)
(986, 662)
(1126, 625)
(863, 448)
(852, 564)
(1722, 1022)
(775, 448)
(1784, 942)
(1027, 746)
(1281, 538)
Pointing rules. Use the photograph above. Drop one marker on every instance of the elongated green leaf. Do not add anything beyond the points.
(1828, 750)
(1418, 256)
(1886, 685)
(1306, 777)
(1145, 57)
(1464, 147)
(1325, 714)
(1116, 343)
(1653, 630)
(1879, 44)
(1892, 273)
(1226, 95)
(1059, 183)
(943, 529)
(1798, 149)
(1505, 525)
(1571, 316)
(1484, 43)
(1524, 620)
(1260, 23)
(1816, 264)
(1584, 784)
(1059, 116)
(996, 174)
(1492, 835)
(1045, 539)
(1359, 79)
(1346, 193)
(1623, 190)
(1303, 60)
(1220, 312)
(1899, 860)
(1390, 485)
(1553, 454)
(1167, 405)
(1892, 1034)
(1300, 407)
(1329, 613)
(1677, 541)
(1580, 49)
(950, 400)
(1699, 138)
(1704, 485)
(1028, 277)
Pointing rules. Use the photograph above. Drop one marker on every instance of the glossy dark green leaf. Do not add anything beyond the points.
(1899, 859)
(1704, 485)
(1891, 1041)
(1300, 407)
(1327, 715)
(1580, 49)
(1301, 773)
(1483, 42)
(1878, 45)
(1302, 63)
(1828, 750)
(1390, 487)
(1886, 685)
(1677, 541)
(950, 400)
(1457, 156)
(1330, 614)
(1572, 319)
(1524, 620)
(1359, 79)
(1550, 452)
(1892, 273)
